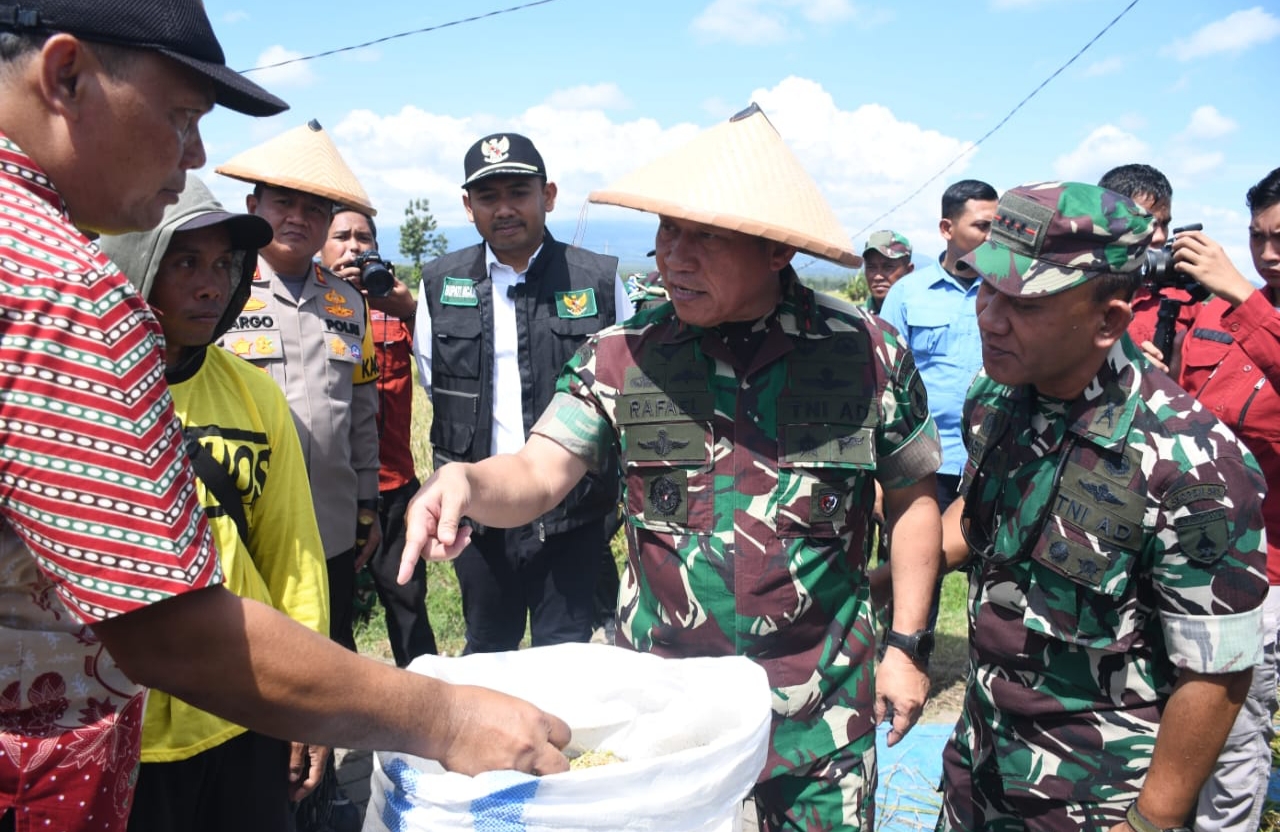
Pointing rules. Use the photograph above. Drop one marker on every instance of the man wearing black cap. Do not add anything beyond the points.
(496, 322)
(108, 575)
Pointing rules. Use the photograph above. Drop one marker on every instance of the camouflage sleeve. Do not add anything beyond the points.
(575, 418)
(907, 444)
(1210, 565)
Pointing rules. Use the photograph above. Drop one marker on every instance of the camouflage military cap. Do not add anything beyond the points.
(1053, 236)
(889, 243)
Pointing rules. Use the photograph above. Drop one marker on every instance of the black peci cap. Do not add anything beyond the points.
(502, 154)
(179, 29)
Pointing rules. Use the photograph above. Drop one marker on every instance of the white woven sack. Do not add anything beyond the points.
(692, 734)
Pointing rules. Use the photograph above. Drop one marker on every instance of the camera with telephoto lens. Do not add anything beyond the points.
(1159, 272)
(375, 275)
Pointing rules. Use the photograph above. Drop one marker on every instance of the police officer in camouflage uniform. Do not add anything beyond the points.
(1113, 538)
(751, 416)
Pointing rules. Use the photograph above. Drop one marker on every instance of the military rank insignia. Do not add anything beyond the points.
(577, 304)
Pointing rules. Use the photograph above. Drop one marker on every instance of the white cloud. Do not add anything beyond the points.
(1103, 149)
(1106, 66)
(1207, 123)
(1233, 34)
(296, 74)
(589, 97)
(1188, 164)
(824, 11)
(766, 21)
(884, 162)
(414, 153)
(236, 16)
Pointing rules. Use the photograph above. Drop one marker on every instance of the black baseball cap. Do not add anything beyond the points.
(178, 29)
(502, 154)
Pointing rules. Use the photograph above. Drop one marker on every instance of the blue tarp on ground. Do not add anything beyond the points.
(907, 799)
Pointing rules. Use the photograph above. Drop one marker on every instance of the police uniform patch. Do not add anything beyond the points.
(459, 291)
(576, 304)
(666, 496)
(340, 311)
(1203, 535)
(334, 296)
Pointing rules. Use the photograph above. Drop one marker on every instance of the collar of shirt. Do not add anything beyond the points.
(503, 275)
(1102, 414)
(21, 171)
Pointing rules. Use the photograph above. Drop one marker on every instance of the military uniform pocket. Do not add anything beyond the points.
(668, 472)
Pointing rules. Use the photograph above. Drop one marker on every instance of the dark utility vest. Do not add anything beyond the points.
(553, 318)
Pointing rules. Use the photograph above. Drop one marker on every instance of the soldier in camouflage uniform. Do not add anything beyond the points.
(751, 417)
(1114, 541)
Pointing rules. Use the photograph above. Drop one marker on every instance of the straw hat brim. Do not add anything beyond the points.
(302, 159)
(739, 176)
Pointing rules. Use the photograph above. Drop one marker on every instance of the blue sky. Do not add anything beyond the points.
(875, 97)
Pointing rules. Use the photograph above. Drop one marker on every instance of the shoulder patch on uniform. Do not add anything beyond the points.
(459, 291)
(1193, 493)
(1203, 535)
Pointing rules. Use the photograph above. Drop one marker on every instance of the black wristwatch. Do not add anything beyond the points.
(918, 645)
(1140, 823)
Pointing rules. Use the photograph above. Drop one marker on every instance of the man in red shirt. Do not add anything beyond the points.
(109, 580)
(1230, 361)
(391, 318)
(1151, 190)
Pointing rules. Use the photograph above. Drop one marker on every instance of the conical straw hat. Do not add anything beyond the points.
(302, 159)
(738, 176)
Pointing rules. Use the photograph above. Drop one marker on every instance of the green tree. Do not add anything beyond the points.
(418, 237)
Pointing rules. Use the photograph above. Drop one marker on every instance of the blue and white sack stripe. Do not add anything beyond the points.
(499, 811)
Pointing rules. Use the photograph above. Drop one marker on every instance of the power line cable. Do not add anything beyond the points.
(968, 150)
(398, 35)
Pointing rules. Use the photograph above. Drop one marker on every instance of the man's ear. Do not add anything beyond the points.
(1116, 316)
(910, 268)
(63, 66)
(944, 228)
(780, 255)
(251, 203)
(549, 196)
(466, 203)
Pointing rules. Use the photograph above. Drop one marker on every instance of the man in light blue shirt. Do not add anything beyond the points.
(933, 308)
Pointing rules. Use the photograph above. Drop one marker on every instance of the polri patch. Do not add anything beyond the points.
(577, 304)
(459, 291)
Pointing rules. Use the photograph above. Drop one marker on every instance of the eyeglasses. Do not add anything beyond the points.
(980, 533)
